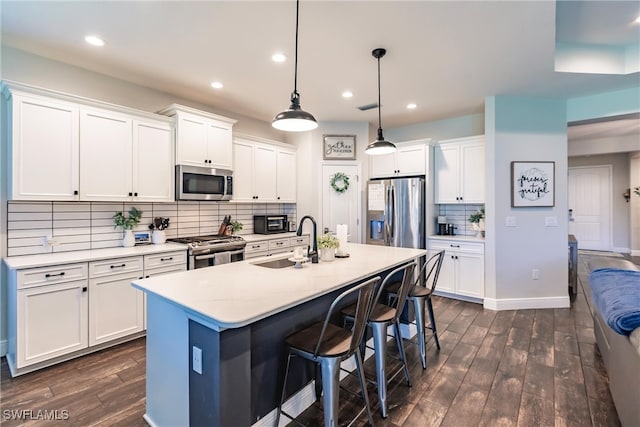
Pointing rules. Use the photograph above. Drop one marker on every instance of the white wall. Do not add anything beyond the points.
(525, 129)
(23, 67)
(634, 181)
(309, 158)
(604, 146)
(620, 182)
(456, 127)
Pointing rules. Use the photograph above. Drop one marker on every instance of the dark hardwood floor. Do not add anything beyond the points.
(507, 368)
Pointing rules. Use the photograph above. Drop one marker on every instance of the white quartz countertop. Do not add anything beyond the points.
(237, 294)
(458, 238)
(43, 260)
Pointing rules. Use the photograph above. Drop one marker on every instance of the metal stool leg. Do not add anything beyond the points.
(418, 307)
(432, 319)
(283, 387)
(363, 385)
(403, 356)
(331, 386)
(379, 342)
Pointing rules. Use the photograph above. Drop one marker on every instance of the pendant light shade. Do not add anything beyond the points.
(380, 145)
(295, 119)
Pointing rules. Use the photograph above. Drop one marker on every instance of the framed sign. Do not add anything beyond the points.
(339, 147)
(532, 184)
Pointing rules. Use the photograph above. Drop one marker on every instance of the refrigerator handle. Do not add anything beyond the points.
(393, 213)
(387, 216)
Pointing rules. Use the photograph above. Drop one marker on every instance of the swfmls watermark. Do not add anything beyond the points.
(35, 414)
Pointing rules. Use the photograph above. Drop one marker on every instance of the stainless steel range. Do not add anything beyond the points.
(215, 249)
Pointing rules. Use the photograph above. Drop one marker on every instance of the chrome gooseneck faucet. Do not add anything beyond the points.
(313, 254)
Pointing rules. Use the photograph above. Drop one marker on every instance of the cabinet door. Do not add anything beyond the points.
(52, 321)
(105, 155)
(243, 171)
(45, 150)
(219, 146)
(116, 309)
(472, 172)
(382, 166)
(264, 177)
(286, 179)
(447, 277)
(191, 141)
(470, 275)
(153, 166)
(446, 173)
(411, 160)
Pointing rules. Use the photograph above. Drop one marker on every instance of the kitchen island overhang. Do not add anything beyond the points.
(240, 313)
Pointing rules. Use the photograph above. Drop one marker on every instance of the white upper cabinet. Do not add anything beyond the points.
(203, 139)
(459, 169)
(263, 171)
(44, 145)
(106, 141)
(68, 148)
(409, 159)
(153, 165)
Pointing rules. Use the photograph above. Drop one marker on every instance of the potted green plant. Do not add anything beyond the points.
(327, 245)
(477, 221)
(235, 226)
(127, 223)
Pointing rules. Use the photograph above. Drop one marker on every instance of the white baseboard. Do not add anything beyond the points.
(4, 347)
(526, 303)
(621, 250)
(635, 252)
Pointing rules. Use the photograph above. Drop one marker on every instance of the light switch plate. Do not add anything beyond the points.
(510, 221)
(550, 221)
(197, 360)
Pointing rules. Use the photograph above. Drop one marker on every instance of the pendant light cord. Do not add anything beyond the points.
(379, 104)
(295, 74)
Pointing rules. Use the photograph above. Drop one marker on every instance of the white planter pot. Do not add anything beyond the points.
(158, 237)
(327, 254)
(128, 241)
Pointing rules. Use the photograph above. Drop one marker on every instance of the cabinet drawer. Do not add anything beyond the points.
(256, 247)
(32, 277)
(279, 244)
(165, 259)
(115, 266)
(257, 254)
(164, 270)
(454, 245)
(299, 241)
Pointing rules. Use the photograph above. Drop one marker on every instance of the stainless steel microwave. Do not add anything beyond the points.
(198, 183)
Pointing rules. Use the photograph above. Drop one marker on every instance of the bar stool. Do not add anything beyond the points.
(328, 345)
(420, 294)
(381, 317)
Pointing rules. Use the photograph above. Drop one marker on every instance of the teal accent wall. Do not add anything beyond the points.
(607, 104)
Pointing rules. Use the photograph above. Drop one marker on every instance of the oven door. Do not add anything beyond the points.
(195, 183)
(217, 258)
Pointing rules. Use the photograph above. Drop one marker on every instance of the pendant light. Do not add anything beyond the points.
(380, 145)
(295, 119)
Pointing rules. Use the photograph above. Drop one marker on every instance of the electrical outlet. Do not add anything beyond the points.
(48, 241)
(535, 274)
(197, 360)
(510, 221)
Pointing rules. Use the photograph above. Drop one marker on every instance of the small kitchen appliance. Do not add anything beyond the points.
(270, 224)
(215, 249)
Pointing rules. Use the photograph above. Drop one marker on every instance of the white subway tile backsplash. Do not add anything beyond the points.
(83, 225)
(458, 215)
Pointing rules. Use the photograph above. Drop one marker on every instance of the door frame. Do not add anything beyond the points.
(360, 190)
(609, 169)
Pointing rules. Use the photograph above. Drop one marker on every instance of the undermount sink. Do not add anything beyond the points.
(276, 263)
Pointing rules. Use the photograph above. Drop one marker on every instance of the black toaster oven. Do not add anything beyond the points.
(268, 224)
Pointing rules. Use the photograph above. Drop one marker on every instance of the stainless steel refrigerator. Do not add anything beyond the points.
(396, 212)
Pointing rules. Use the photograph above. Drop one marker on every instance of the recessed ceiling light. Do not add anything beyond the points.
(217, 85)
(347, 94)
(94, 40)
(637, 21)
(279, 57)
(411, 106)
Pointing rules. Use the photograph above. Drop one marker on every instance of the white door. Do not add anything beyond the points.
(447, 173)
(341, 208)
(590, 206)
(152, 162)
(219, 149)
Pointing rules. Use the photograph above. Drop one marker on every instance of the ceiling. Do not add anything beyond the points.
(445, 56)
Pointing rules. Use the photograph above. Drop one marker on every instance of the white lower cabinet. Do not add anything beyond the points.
(462, 271)
(274, 245)
(51, 322)
(63, 311)
(116, 309)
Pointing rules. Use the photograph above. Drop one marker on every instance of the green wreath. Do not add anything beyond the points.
(340, 182)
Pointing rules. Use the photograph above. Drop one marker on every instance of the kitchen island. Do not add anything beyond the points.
(237, 315)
